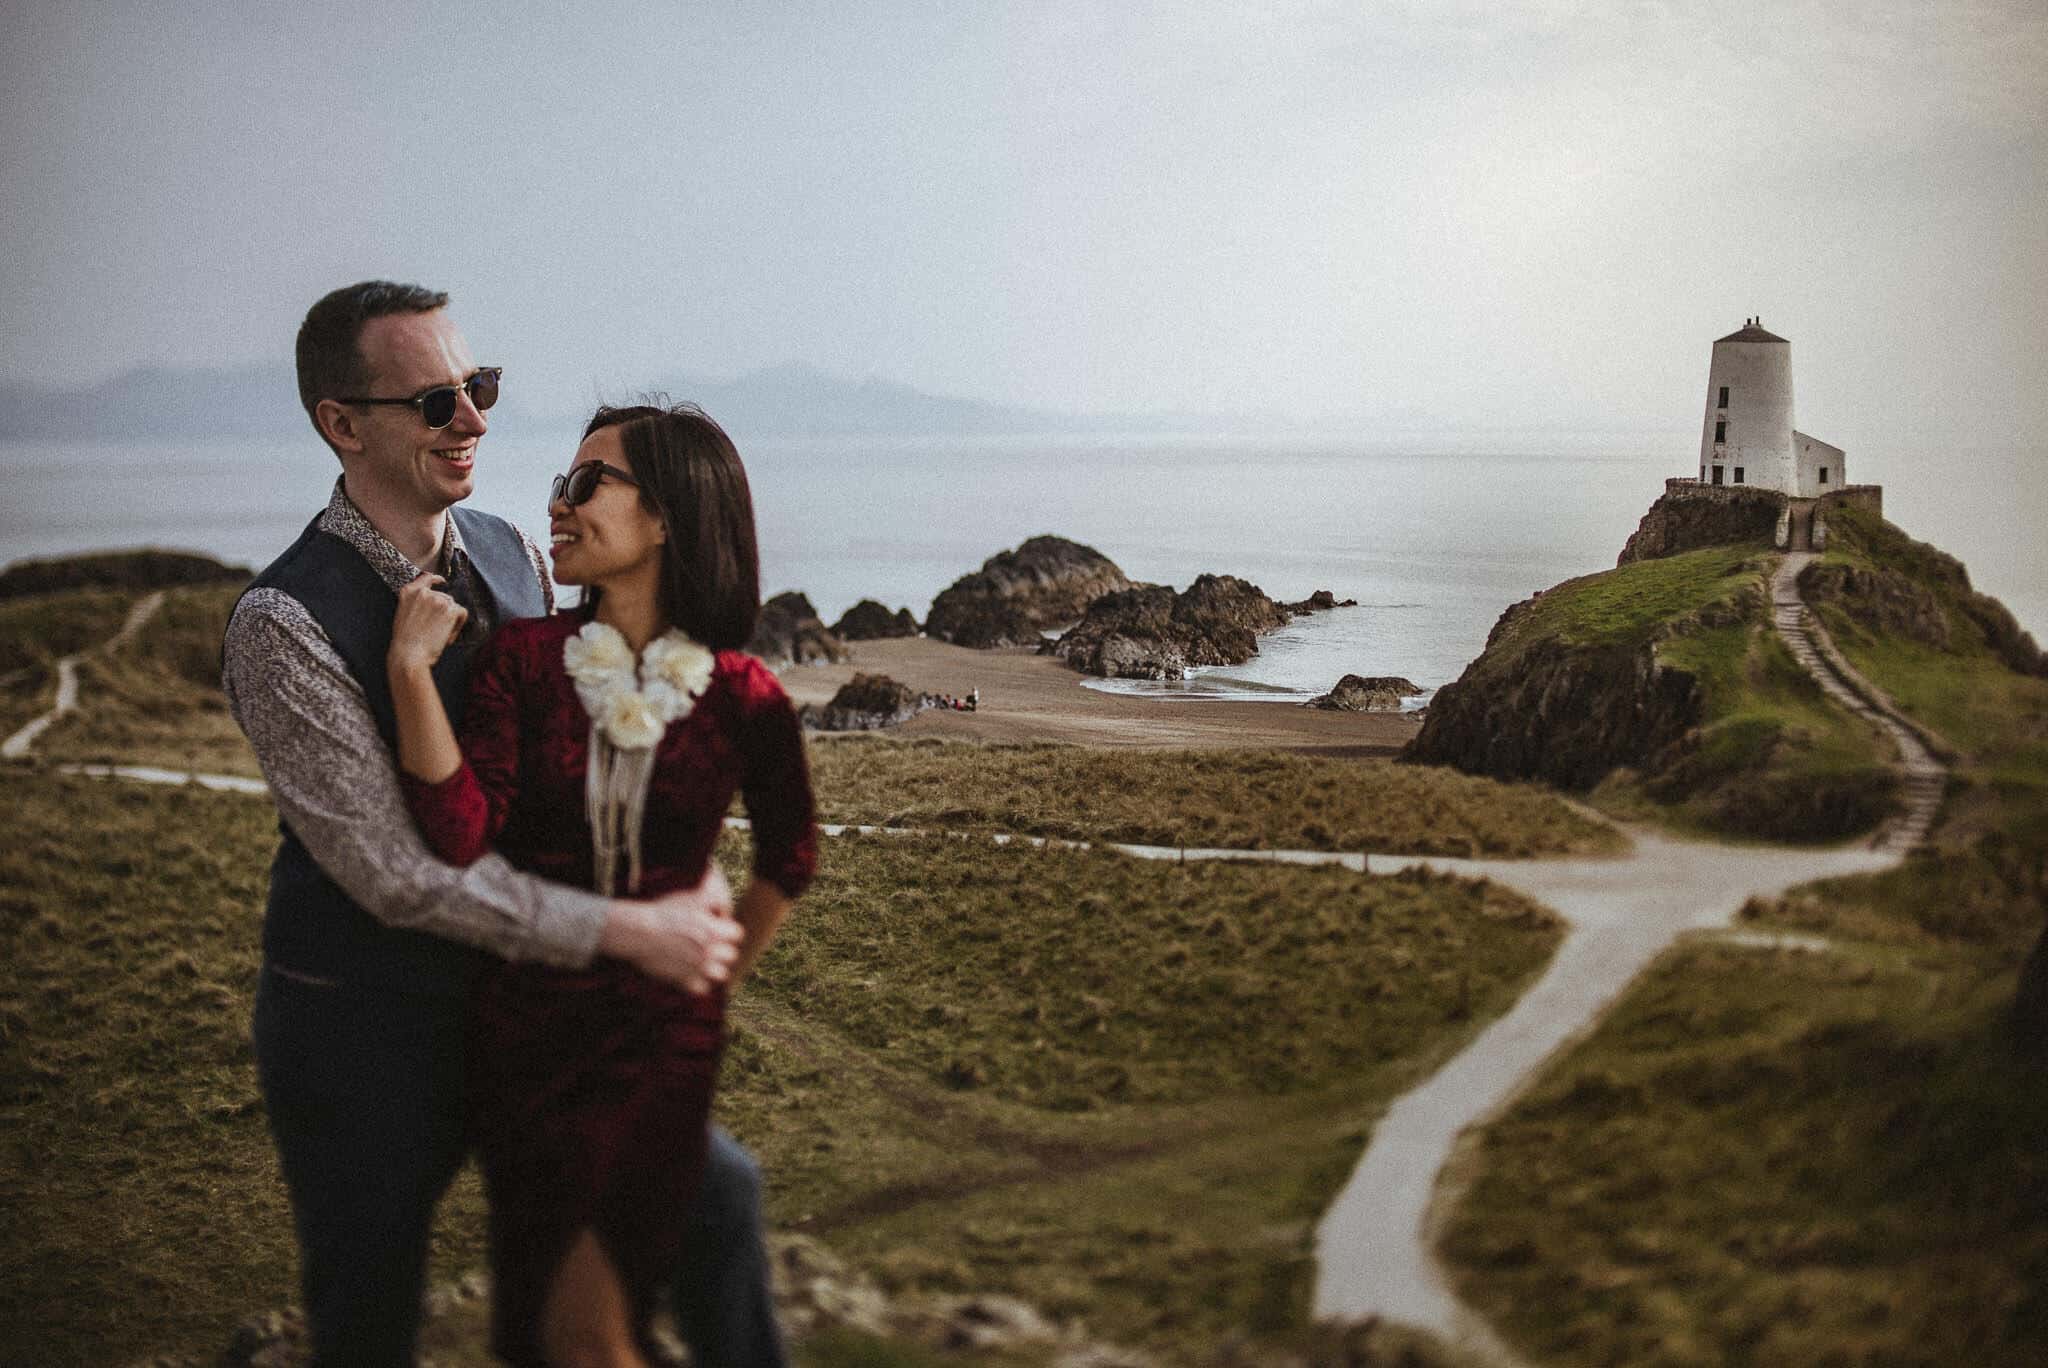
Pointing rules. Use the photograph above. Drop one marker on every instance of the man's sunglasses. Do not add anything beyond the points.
(579, 484)
(437, 405)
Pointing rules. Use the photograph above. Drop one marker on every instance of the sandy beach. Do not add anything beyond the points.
(1028, 697)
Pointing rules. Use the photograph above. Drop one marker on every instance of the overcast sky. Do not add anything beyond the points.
(1525, 213)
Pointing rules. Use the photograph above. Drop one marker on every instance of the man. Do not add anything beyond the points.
(368, 941)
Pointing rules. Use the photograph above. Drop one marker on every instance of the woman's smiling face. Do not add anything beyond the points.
(612, 533)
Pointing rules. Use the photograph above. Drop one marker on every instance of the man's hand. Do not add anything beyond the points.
(689, 938)
(712, 894)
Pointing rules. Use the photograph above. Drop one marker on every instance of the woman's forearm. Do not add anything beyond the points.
(426, 741)
(760, 911)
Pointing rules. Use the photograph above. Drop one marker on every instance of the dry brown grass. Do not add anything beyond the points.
(1247, 800)
(1065, 1074)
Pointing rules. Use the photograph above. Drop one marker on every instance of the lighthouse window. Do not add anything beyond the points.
(1724, 398)
(1823, 474)
(1738, 474)
(1717, 474)
(1721, 431)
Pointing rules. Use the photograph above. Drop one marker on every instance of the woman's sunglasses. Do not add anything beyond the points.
(579, 484)
(437, 405)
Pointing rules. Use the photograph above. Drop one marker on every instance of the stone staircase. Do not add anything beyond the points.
(1924, 778)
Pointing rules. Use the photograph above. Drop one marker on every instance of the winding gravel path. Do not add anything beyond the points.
(1923, 778)
(1375, 1247)
(16, 747)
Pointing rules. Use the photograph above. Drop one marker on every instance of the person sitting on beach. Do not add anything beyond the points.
(602, 746)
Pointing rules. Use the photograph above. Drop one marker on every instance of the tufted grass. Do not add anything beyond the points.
(1774, 1157)
(1629, 605)
(1119, 1089)
(1240, 800)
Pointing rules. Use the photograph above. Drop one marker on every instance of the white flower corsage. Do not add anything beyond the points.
(632, 702)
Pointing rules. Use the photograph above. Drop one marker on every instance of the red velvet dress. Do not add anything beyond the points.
(590, 1090)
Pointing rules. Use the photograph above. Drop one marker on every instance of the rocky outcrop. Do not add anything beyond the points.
(1709, 515)
(867, 703)
(872, 621)
(791, 633)
(1566, 715)
(131, 570)
(1366, 693)
(1016, 595)
(1150, 632)
(1318, 601)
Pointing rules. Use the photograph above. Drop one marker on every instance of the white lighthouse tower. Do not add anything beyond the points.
(1747, 437)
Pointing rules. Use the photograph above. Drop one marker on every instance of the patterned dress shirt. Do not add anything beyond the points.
(336, 784)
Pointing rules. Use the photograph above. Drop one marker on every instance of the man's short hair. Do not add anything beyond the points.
(329, 352)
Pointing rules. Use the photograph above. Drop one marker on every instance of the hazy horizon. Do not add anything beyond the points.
(1536, 212)
(1524, 217)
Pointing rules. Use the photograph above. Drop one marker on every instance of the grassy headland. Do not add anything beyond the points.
(1662, 683)
(1818, 1156)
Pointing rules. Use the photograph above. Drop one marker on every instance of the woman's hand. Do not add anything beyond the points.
(426, 621)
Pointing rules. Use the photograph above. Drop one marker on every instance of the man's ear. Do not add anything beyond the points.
(337, 423)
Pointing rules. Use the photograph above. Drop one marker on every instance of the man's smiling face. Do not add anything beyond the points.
(402, 459)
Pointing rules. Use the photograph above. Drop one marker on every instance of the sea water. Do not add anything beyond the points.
(1433, 536)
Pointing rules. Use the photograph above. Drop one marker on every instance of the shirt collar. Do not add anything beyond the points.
(344, 520)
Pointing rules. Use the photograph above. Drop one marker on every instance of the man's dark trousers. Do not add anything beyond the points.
(364, 1092)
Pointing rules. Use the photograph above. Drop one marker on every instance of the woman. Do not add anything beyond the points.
(602, 746)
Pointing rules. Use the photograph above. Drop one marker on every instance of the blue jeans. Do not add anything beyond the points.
(363, 1089)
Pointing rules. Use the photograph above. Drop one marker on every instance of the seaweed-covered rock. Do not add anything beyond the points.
(872, 621)
(791, 633)
(1320, 600)
(1150, 632)
(1366, 693)
(1016, 595)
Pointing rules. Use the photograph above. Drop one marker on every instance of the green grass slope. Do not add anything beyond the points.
(1663, 684)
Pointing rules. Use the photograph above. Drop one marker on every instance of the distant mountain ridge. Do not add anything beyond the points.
(158, 402)
(794, 399)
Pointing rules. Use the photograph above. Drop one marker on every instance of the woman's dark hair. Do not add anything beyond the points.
(691, 478)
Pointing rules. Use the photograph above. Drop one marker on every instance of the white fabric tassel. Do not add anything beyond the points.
(615, 799)
(634, 772)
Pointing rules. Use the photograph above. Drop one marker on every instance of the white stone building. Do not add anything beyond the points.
(1747, 437)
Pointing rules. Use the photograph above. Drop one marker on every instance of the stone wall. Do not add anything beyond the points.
(1692, 515)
